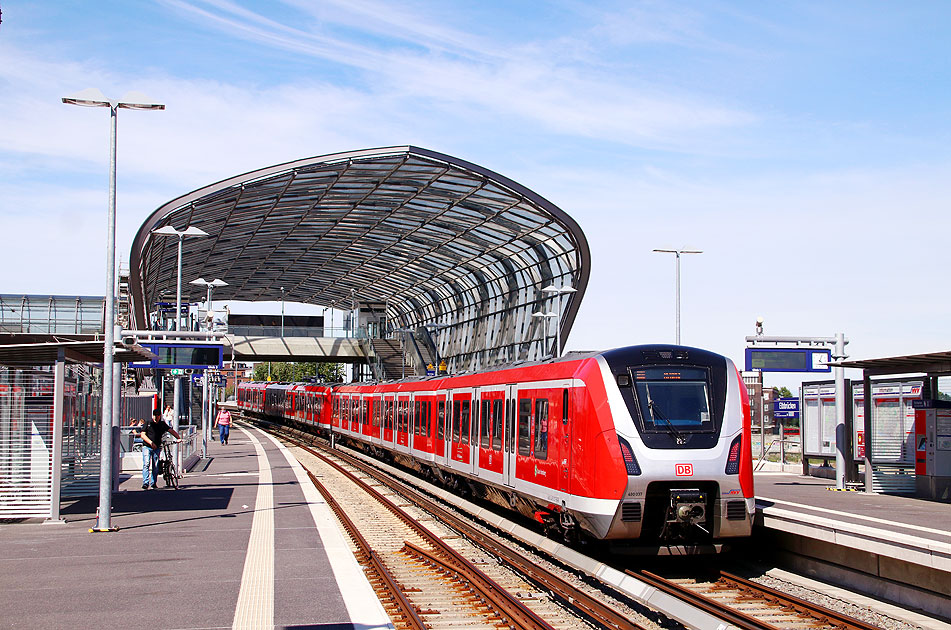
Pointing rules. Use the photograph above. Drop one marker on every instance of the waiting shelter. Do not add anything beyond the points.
(50, 423)
(932, 422)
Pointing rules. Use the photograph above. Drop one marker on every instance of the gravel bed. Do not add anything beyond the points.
(861, 613)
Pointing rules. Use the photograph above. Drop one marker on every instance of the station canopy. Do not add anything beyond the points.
(429, 238)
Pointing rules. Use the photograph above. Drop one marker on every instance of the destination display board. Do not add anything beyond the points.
(193, 356)
(788, 359)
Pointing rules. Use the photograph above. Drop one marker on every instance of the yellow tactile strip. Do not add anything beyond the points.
(255, 608)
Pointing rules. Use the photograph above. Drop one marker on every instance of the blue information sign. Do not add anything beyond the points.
(195, 356)
(788, 359)
(786, 408)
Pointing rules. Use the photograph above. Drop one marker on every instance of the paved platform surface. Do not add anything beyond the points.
(246, 542)
(812, 497)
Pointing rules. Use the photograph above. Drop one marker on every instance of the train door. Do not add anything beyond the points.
(440, 445)
(388, 419)
(566, 429)
(508, 450)
(490, 430)
(403, 403)
(460, 453)
(366, 426)
(377, 414)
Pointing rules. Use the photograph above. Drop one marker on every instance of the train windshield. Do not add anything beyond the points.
(673, 399)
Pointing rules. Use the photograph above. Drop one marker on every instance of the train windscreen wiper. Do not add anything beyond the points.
(655, 414)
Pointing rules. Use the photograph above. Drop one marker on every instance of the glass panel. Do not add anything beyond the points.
(524, 428)
(673, 398)
(541, 428)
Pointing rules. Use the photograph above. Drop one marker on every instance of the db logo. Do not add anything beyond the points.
(683, 470)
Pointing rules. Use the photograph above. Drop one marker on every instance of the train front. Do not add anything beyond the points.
(682, 419)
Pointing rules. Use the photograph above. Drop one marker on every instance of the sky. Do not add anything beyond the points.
(804, 147)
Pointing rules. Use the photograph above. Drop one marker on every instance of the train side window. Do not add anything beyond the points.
(524, 426)
(486, 426)
(541, 428)
(464, 423)
(498, 417)
(389, 415)
(564, 406)
(429, 418)
(441, 420)
(510, 423)
(455, 420)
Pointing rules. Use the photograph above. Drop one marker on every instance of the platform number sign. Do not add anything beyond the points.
(683, 470)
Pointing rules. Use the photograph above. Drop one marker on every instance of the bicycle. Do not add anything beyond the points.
(167, 466)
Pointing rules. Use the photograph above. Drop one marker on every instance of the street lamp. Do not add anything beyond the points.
(168, 230)
(677, 253)
(282, 312)
(548, 316)
(555, 291)
(206, 402)
(92, 97)
(217, 282)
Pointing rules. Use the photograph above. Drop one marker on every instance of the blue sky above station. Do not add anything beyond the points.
(804, 146)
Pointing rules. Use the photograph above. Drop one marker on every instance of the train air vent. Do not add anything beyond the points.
(735, 510)
(631, 512)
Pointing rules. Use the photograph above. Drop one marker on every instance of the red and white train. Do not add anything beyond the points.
(647, 443)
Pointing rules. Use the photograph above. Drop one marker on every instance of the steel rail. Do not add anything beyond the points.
(724, 612)
(831, 618)
(500, 599)
(576, 598)
(589, 606)
(504, 602)
(405, 610)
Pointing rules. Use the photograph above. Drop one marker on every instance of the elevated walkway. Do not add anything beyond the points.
(298, 349)
(247, 542)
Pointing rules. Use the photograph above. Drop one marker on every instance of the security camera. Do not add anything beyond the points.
(129, 340)
(759, 325)
(759, 321)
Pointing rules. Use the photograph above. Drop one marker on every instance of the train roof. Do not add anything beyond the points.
(658, 352)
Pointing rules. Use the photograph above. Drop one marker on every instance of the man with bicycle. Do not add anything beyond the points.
(151, 436)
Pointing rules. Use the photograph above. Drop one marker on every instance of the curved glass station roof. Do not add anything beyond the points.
(435, 239)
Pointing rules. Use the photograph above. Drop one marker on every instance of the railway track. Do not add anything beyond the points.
(426, 583)
(735, 601)
(752, 606)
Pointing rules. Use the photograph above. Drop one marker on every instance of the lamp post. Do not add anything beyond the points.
(206, 403)
(282, 312)
(677, 253)
(168, 230)
(92, 97)
(547, 317)
(217, 282)
(554, 292)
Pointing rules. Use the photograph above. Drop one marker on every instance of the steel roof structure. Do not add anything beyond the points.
(437, 239)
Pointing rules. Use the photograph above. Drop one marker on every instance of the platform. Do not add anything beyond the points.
(246, 542)
(893, 546)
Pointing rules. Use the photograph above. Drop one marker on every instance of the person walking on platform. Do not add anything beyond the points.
(169, 415)
(223, 422)
(151, 447)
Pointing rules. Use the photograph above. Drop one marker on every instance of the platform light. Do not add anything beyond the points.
(677, 253)
(93, 97)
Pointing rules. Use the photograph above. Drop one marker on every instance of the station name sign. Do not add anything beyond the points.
(194, 356)
(786, 408)
(788, 359)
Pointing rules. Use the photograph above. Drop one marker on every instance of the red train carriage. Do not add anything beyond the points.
(647, 442)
